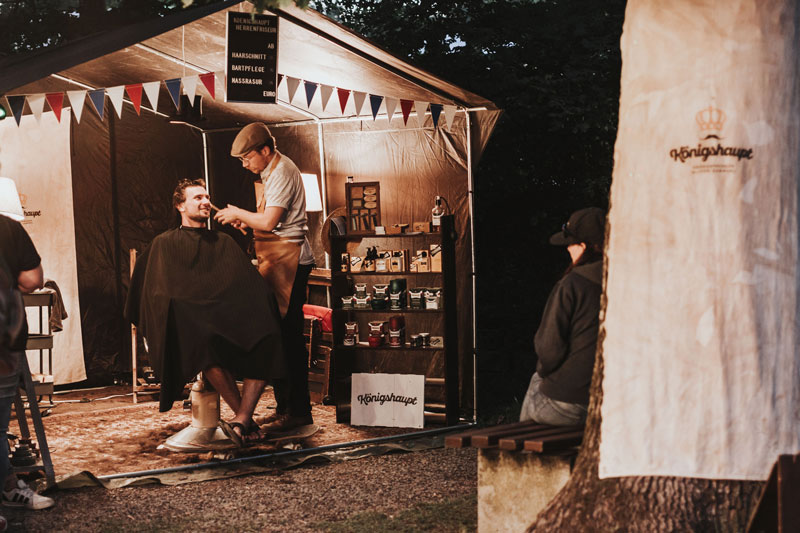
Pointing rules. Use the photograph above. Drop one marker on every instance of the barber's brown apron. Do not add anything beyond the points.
(277, 256)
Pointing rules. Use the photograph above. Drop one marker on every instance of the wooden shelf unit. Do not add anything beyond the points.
(439, 364)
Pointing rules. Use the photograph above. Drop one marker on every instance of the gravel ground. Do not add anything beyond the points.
(290, 500)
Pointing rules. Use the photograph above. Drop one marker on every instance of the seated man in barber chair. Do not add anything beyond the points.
(203, 307)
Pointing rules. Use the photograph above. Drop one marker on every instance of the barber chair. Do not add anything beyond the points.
(203, 434)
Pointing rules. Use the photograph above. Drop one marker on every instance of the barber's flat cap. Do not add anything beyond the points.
(251, 137)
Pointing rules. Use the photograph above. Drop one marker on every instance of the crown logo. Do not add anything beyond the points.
(710, 119)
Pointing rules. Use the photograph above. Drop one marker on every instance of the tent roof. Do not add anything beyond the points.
(311, 47)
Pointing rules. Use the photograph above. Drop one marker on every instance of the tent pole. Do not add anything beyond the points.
(324, 183)
(205, 170)
(470, 193)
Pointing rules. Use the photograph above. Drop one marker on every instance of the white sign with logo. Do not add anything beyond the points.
(394, 400)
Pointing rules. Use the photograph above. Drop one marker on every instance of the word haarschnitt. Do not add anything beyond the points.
(367, 399)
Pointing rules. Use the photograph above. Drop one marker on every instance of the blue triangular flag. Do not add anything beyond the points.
(174, 88)
(98, 98)
(16, 103)
(311, 88)
(375, 104)
(436, 110)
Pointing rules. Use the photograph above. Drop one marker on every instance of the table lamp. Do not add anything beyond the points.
(313, 198)
(10, 205)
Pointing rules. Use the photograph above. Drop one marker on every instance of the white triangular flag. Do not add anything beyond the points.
(115, 94)
(358, 100)
(36, 103)
(76, 101)
(151, 89)
(190, 87)
(292, 84)
(449, 114)
(421, 108)
(391, 105)
(325, 91)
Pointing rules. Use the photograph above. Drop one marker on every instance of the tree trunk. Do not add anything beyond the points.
(641, 504)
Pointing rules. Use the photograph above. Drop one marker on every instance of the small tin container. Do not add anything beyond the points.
(425, 338)
(347, 302)
(361, 290)
(416, 341)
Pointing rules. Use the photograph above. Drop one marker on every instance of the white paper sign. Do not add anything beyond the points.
(394, 400)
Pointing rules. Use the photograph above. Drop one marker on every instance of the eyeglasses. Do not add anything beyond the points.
(248, 157)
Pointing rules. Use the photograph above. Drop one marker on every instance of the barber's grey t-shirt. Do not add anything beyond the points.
(284, 188)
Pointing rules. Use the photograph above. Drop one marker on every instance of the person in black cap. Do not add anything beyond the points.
(566, 340)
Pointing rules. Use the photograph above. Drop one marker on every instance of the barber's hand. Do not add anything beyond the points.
(229, 215)
(240, 225)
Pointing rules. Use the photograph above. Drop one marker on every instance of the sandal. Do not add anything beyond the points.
(255, 435)
(229, 429)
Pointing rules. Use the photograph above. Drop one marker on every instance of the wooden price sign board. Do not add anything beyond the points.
(251, 58)
(363, 207)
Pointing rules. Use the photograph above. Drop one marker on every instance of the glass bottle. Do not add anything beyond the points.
(436, 214)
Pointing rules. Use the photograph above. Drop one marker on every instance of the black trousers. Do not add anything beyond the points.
(291, 393)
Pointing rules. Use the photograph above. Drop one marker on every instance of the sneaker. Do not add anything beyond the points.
(23, 496)
(285, 423)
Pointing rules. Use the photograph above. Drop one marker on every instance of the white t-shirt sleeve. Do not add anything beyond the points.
(281, 188)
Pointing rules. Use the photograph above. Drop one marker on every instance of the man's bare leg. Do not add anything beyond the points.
(223, 381)
(251, 393)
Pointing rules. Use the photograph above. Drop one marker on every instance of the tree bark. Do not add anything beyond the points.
(641, 504)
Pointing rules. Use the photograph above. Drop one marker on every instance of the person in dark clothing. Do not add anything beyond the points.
(566, 340)
(20, 272)
(202, 306)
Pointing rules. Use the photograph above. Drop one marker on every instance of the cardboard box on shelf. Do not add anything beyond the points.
(424, 227)
(420, 262)
(436, 258)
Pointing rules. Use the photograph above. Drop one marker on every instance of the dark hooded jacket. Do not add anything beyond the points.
(567, 337)
(198, 301)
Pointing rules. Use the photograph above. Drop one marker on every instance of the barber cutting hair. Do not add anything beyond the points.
(284, 259)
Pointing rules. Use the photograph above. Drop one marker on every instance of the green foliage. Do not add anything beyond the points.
(456, 516)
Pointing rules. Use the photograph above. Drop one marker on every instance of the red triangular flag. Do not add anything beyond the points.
(208, 80)
(56, 101)
(405, 106)
(344, 95)
(135, 94)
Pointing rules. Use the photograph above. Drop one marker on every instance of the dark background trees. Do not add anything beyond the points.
(553, 66)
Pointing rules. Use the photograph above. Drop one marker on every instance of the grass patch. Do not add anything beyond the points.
(452, 516)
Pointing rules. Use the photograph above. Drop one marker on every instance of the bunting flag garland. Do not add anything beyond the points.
(292, 84)
(17, 104)
(405, 107)
(174, 88)
(36, 103)
(98, 98)
(449, 115)
(344, 95)
(115, 94)
(56, 102)
(421, 107)
(209, 81)
(375, 104)
(391, 105)
(311, 89)
(151, 89)
(135, 94)
(190, 87)
(359, 98)
(76, 100)
(325, 92)
(436, 110)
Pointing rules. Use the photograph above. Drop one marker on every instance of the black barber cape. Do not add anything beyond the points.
(198, 302)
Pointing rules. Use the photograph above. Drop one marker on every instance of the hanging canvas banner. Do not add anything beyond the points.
(393, 400)
(37, 158)
(251, 59)
(701, 356)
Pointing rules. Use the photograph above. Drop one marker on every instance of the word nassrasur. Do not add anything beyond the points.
(367, 399)
(684, 152)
